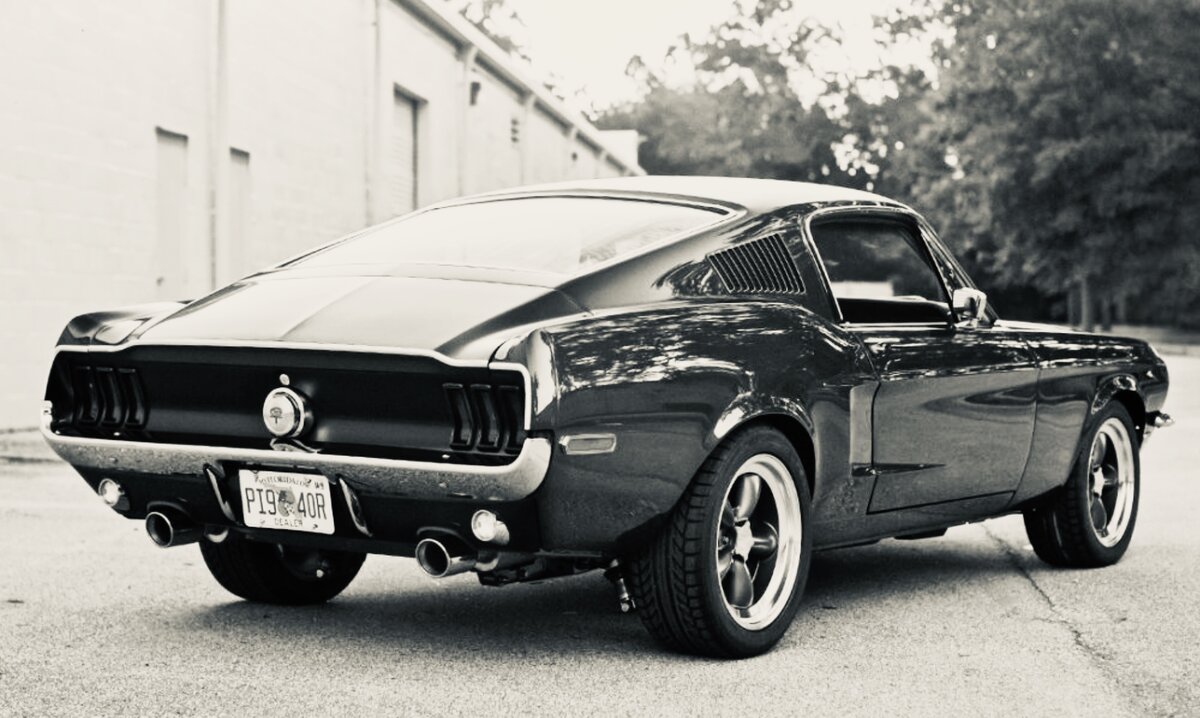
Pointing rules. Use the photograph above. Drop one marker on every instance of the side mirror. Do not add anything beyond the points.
(969, 306)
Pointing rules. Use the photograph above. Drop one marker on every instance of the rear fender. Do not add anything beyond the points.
(668, 382)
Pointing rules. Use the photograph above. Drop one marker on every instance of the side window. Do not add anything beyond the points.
(955, 275)
(949, 268)
(880, 272)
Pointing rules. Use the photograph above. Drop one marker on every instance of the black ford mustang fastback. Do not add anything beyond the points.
(692, 383)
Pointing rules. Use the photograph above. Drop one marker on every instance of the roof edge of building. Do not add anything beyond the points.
(450, 22)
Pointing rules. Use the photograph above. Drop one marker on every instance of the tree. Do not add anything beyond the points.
(1057, 149)
(1072, 131)
(499, 22)
(740, 114)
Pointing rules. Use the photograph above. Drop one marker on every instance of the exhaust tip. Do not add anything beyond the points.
(433, 557)
(160, 529)
(168, 527)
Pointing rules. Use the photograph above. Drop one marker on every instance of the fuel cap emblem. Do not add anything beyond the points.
(285, 412)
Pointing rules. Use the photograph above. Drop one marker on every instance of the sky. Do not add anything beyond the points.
(589, 42)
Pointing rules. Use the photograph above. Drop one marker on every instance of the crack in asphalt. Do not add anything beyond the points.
(1014, 558)
(1095, 656)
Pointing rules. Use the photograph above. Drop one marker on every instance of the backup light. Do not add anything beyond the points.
(488, 528)
(112, 494)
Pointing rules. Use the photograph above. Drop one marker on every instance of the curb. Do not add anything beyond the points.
(1182, 350)
(25, 446)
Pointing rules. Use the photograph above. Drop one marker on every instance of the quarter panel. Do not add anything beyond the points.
(670, 381)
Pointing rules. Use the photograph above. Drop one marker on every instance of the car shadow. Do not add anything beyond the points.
(457, 618)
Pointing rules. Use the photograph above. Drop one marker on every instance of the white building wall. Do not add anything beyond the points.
(584, 164)
(607, 168)
(493, 159)
(286, 115)
(84, 87)
(547, 140)
(425, 64)
(297, 103)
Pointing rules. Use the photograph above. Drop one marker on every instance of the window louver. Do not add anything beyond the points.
(761, 266)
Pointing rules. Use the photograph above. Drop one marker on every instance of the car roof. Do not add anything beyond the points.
(757, 195)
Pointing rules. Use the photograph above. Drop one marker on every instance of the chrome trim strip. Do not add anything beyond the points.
(726, 209)
(216, 487)
(313, 346)
(526, 379)
(410, 479)
(354, 508)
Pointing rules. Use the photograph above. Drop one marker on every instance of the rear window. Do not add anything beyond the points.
(557, 235)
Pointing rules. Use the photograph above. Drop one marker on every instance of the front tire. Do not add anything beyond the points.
(1089, 523)
(270, 573)
(725, 575)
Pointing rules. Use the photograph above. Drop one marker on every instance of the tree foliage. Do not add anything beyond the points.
(499, 22)
(1075, 126)
(1058, 145)
(741, 114)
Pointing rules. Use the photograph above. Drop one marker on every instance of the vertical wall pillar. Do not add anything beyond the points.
(372, 132)
(466, 57)
(218, 150)
(568, 156)
(528, 107)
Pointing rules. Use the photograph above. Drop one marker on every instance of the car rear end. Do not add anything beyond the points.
(390, 446)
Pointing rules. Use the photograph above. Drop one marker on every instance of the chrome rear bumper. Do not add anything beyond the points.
(415, 479)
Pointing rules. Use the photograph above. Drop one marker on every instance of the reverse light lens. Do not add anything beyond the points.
(488, 528)
(110, 492)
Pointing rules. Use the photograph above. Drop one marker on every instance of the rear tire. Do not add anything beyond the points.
(725, 575)
(270, 573)
(1089, 522)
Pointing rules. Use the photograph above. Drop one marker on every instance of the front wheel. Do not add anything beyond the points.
(1090, 521)
(270, 573)
(725, 575)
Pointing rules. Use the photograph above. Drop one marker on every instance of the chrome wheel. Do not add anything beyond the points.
(759, 538)
(1111, 482)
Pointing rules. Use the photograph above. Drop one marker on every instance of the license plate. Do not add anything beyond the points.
(283, 500)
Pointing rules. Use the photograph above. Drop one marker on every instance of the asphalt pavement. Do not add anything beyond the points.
(95, 620)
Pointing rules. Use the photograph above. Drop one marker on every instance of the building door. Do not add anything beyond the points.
(171, 222)
(402, 162)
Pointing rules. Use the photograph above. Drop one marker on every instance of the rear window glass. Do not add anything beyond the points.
(557, 235)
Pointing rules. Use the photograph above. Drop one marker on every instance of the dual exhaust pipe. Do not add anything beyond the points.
(439, 558)
(447, 556)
